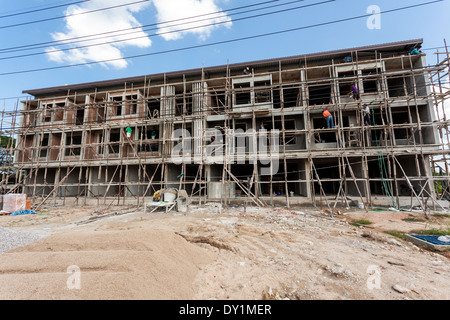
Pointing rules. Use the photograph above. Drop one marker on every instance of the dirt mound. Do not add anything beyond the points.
(113, 264)
(239, 254)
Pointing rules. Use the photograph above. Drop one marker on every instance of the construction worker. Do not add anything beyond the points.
(128, 130)
(329, 118)
(366, 112)
(157, 195)
(355, 93)
(415, 52)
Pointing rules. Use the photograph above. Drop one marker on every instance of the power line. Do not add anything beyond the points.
(70, 15)
(221, 42)
(169, 32)
(41, 9)
(66, 41)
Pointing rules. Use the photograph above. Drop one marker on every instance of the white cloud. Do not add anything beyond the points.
(170, 10)
(83, 25)
(122, 18)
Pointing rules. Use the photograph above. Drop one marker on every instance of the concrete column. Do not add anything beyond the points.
(168, 101)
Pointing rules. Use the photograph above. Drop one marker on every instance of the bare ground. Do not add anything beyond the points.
(208, 253)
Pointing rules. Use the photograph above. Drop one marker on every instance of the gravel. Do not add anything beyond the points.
(10, 239)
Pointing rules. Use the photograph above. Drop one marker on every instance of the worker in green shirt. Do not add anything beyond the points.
(128, 129)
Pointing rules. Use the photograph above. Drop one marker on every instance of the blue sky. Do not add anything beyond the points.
(429, 22)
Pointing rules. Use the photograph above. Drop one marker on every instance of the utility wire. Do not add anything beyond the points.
(71, 15)
(168, 32)
(221, 42)
(41, 9)
(69, 40)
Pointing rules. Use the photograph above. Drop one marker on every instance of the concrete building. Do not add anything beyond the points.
(72, 142)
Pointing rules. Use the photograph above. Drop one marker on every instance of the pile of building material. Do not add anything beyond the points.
(171, 198)
(10, 239)
(11, 203)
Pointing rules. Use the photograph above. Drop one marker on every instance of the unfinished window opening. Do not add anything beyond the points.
(218, 101)
(290, 138)
(276, 99)
(148, 139)
(263, 93)
(100, 113)
(116, 108)
(153, 108)
(47, 112)
(44, 146)
(114, 141)
(291, 97)
(80, 117)
(183, 105)
(73, 144)
(413, 169)
(400, 116)
(399, 86)
(370, 80)
(100, 143)
(319, 95)
(243, 95)
(328, 174)
(133, 101)
(241, 138)
(59, 111)
(55, 146)
(31, 116)
(323, 137)
(189, 179)
(184, 141)
(379, 117)
(243, 173)
(378, 170)
(278, 186)
(346, 80)
(289, 125)
(278, 180)
(408, 134)
(256, 91)
(26, 153)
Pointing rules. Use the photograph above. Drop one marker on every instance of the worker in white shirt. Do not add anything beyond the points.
(366, 113)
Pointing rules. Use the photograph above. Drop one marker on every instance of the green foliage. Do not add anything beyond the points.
(6, 156)
(7, 142)
(432, 232)
(359, 222)
(396, 233)
(413, 219)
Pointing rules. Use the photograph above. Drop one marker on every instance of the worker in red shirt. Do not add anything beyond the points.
(329, 118)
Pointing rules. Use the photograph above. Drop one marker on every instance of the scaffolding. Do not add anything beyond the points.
(119, 145)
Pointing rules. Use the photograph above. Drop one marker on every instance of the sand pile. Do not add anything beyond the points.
(114, 264)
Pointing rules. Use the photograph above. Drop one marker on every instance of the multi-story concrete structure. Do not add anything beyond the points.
(73, 142)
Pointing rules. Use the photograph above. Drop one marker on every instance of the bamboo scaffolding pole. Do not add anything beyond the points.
(133, 161)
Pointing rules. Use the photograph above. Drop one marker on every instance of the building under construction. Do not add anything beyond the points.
(113, 141)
